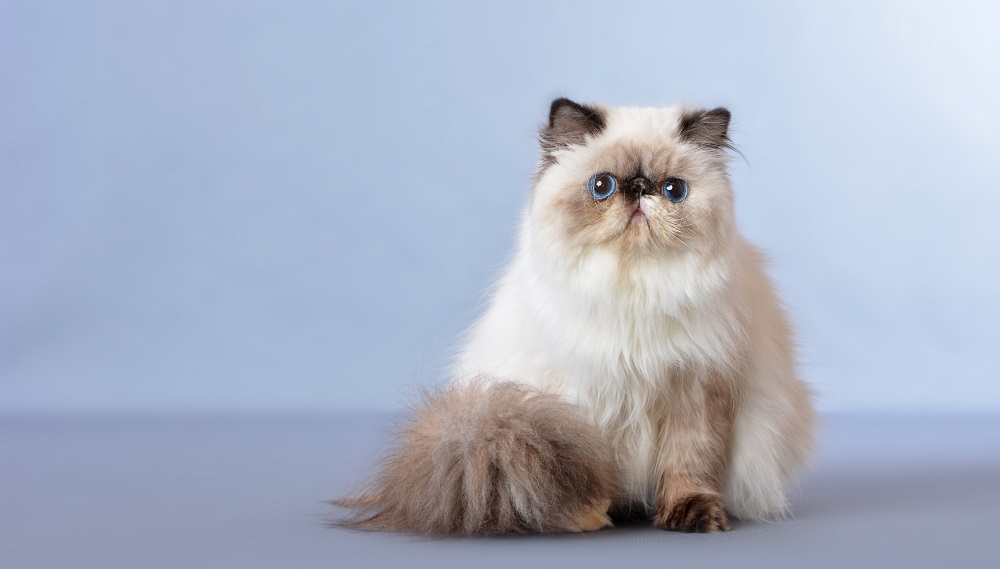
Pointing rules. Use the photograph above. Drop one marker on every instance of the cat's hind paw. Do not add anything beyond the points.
(595, 519)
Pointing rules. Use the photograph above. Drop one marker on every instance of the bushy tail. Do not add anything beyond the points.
(489, 458)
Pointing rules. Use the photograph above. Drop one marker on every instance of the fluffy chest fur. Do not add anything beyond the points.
(631, 343)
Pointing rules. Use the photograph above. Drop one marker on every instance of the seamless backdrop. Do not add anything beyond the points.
(283, 206)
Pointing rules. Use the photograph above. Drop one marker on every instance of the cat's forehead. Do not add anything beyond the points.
(638, 140)
(643, 124)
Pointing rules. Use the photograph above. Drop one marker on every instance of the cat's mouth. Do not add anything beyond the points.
(638, 214)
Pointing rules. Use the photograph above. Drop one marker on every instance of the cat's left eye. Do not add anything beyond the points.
(675, 189)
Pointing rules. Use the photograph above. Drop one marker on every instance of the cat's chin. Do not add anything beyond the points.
(641, 237)
(639, 229)
(637, 236)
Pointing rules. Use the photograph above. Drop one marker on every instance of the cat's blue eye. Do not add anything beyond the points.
(602, 185)
(675, 189)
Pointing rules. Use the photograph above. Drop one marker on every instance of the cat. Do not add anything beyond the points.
(634, 357)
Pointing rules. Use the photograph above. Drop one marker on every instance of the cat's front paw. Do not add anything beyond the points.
(697, 513)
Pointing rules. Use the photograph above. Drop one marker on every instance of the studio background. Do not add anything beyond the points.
(299, 206)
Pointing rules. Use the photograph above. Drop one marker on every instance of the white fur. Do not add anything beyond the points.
(567, 319)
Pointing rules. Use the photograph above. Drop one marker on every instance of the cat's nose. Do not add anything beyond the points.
(639, 186)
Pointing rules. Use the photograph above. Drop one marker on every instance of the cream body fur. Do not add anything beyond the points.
(637, 318)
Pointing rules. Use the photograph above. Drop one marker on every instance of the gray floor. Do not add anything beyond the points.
(247, 492)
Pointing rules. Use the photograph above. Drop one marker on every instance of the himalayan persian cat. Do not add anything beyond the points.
(634, 358)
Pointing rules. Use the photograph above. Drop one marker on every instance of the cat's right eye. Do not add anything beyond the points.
(602, 185)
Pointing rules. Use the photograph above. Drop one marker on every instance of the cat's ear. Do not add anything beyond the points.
(709, 129)
(569, 123)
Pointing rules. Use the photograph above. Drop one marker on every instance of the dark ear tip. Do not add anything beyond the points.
(569, 123)
(558, 105)
(720, 112)
(708, 128)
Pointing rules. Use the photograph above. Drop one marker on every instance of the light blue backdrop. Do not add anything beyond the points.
(298, 206)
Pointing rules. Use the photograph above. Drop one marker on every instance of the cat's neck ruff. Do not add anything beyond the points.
(627, 319)
(667, 284)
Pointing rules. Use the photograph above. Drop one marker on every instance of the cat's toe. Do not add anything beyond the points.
(594, 519)
(698, 513)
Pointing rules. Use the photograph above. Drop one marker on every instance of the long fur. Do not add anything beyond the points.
(636, 322)
(634, 343)
(489, 458)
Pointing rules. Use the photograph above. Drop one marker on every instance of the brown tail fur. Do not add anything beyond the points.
(490, 458)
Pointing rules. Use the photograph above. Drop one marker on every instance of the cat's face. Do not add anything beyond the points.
(635, 181)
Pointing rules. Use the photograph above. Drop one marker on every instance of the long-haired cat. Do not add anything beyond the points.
(634, 356)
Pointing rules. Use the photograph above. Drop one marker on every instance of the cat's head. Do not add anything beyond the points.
(638, 182)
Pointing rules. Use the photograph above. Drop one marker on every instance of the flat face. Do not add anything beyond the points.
(642, 149)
